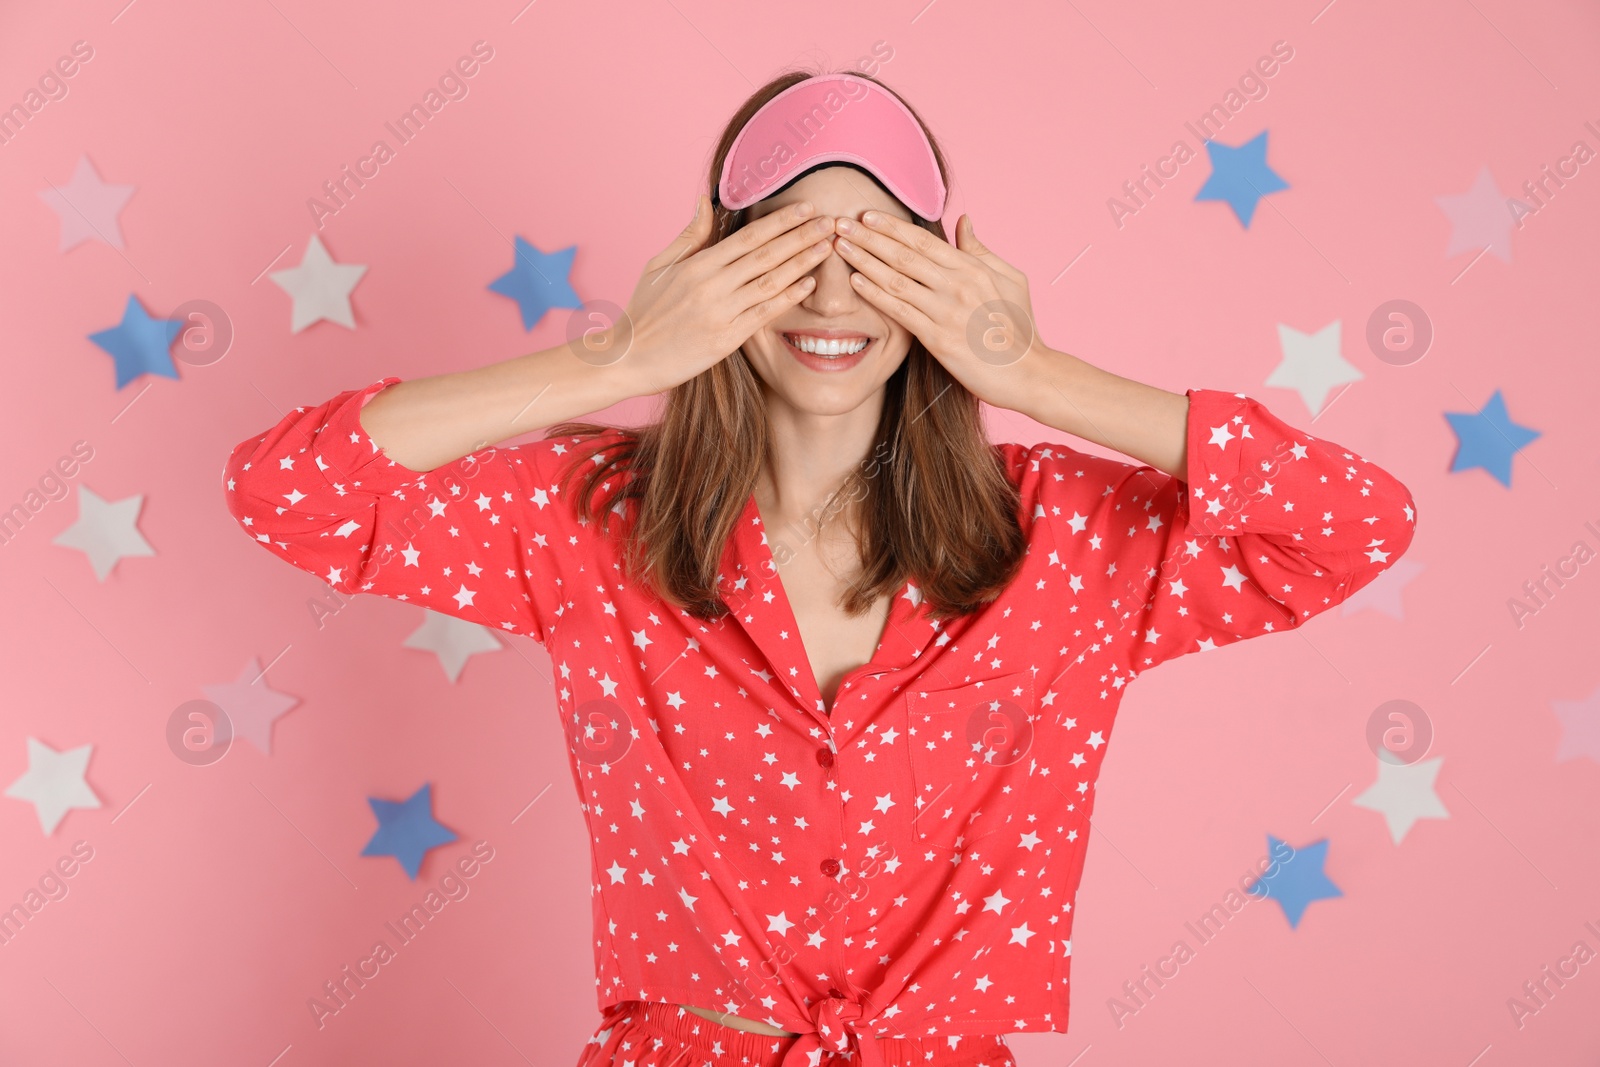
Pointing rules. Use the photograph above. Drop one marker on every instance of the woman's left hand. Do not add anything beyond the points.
(969, 307)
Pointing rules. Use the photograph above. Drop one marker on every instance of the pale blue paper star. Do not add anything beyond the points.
(1298, 880)
(538, 282)
(1240, 176)
(1488, 439)
(139, 343)
(407, 830)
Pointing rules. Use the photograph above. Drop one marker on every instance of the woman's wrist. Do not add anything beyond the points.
(570, 381)
(1141, 421)
(424, 423)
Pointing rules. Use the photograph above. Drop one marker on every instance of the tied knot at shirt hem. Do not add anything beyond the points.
(834, 1031)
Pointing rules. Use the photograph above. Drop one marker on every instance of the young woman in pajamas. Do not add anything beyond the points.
(838, 674)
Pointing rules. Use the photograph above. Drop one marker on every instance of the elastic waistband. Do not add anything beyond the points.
(720, 1044)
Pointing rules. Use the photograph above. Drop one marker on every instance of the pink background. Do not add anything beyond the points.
(220, 898)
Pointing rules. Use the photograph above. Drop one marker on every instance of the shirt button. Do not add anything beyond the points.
(825, 757)
(831, 866)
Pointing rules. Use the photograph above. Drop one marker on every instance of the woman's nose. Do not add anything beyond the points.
(833, 288)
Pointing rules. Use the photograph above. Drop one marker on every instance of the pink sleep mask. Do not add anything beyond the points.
(833, 118)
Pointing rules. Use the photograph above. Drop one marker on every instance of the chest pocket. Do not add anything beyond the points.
(971, 751)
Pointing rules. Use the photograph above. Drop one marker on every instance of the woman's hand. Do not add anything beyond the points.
(969, 307)
(695, 305)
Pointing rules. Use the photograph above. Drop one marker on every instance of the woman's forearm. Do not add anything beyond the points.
(424, 423)
(1138, 420)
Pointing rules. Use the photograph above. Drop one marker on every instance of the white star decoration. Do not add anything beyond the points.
(252, 706)
(1312, 364)
(453, 640)
(88, 207)
(1404, 793)
(1383, 592)
(106, 531)
(319, 287)
(54, 783)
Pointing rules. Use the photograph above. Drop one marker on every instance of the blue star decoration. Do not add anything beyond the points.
(1240, 176)
(538, 282)
(407, 830)
(139, 343)
(1488, 438)
(1299, 879)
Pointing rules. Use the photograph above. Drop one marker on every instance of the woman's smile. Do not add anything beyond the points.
(827, 350)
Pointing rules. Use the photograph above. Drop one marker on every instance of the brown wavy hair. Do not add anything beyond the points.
(935, 505)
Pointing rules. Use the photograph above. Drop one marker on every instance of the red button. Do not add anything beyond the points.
(831, 867)
(825, 757)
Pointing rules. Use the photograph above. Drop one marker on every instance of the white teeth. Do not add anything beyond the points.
(819, 347)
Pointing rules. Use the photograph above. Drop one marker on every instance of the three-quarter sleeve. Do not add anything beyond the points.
(485, 538)
(1270, 527)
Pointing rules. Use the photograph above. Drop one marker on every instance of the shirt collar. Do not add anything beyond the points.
(761, 609)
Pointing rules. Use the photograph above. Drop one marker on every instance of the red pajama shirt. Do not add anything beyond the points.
(904, 863)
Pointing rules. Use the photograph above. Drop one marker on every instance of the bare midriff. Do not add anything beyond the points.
(737, 1023)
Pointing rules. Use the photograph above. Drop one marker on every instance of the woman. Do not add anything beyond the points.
(838, 674)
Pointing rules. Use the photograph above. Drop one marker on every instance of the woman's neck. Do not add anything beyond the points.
(809, 458)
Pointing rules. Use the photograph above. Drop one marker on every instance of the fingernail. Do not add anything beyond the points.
(845, 226)
(803, 208)
(871, 218)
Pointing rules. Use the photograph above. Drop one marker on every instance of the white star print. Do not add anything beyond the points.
(722, 715)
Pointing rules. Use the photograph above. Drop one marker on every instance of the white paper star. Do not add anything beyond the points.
(106, 531)
(1312, 364)
(319, 287)
(88, 207)
(1383, 592)
(1481, 218)
(453, 640)
(54, 783)
(251, 705)
(1404, 793)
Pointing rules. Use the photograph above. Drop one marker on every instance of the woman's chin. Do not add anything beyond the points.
(822, 397)
(823, 392)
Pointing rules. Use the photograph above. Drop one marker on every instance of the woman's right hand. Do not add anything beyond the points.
(695, 305)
